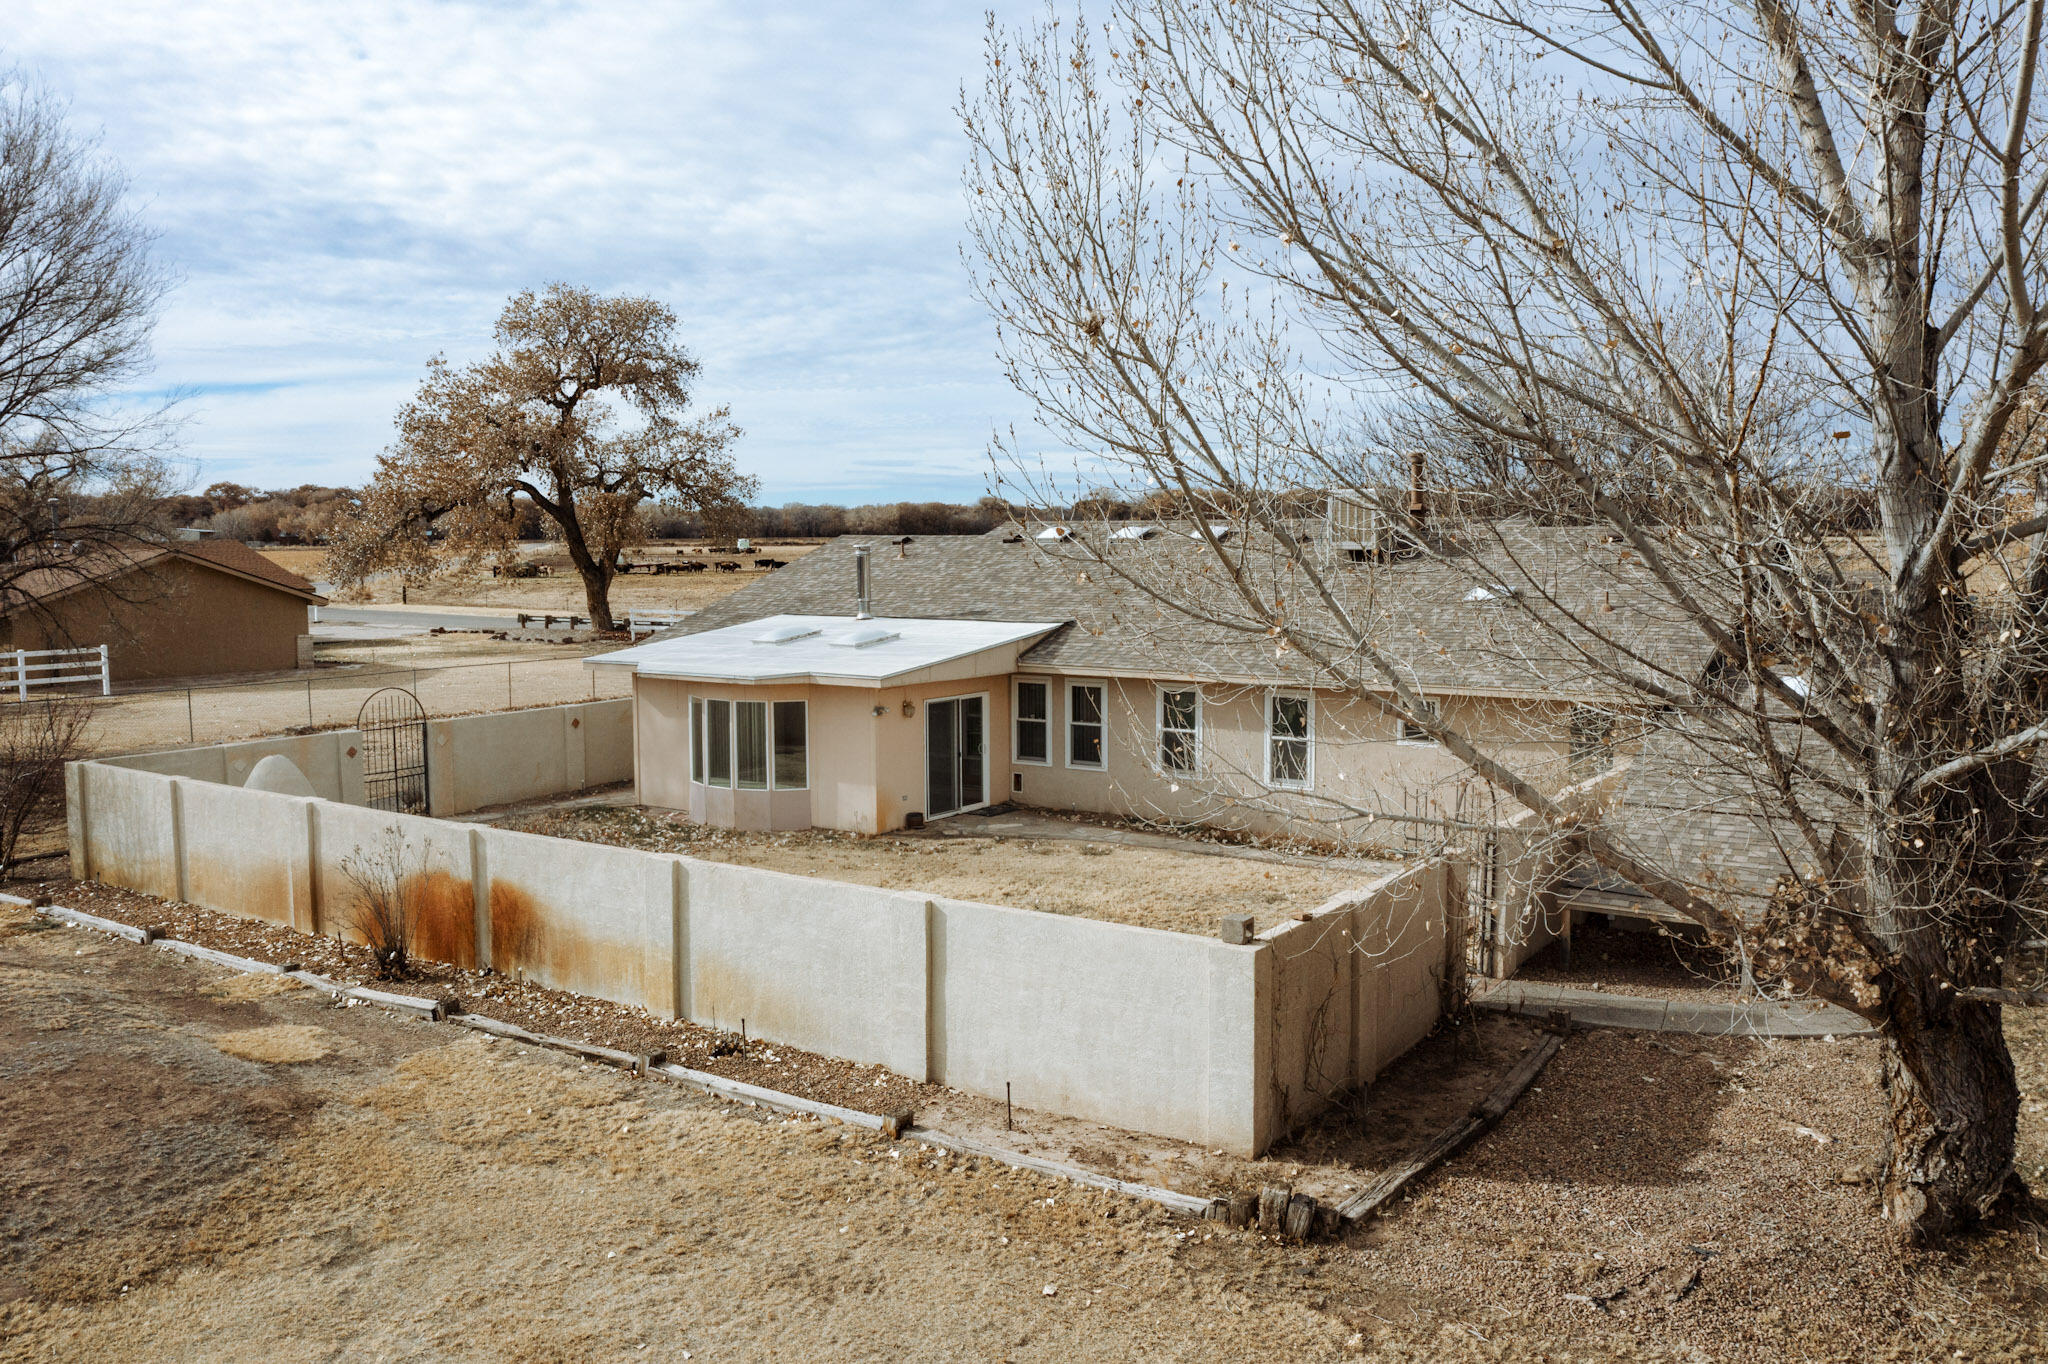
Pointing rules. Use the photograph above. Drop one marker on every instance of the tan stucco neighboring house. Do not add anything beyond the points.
(995, 671)
(182, 609)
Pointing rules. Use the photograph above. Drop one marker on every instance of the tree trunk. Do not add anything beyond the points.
(1954, 1110)
(597, 592)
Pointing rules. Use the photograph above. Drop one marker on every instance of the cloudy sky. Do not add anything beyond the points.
(346, 189)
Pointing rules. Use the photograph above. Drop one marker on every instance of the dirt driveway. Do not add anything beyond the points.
(199, 1166)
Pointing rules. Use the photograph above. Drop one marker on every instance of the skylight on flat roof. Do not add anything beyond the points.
(1496, 592)
(1134, 532)
(1216, 529)
(784, 634)
(862, 638)
(1054, 533)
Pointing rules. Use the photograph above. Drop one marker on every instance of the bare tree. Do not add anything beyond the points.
(81, 476)
(534, 423)
(36, 739)
(387, 884)
(1686, 279)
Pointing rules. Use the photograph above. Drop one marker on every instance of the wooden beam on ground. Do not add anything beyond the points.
(1439, 1148)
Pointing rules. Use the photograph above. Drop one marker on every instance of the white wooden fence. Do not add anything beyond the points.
(25, 668)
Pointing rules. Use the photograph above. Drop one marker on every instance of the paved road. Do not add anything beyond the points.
(363, 622)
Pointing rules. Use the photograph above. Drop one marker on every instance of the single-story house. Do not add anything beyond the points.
(186, 608)
(862, 688)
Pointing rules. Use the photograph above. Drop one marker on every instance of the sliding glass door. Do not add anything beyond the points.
(955, 754)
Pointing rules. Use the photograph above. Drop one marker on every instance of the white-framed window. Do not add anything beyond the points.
(791, 736)
(717, 743)
(1412, 733)
(1087, 733)
(750, 745)
(1180, 728)
(697, 739)
(1290, 739)
(1031, 722)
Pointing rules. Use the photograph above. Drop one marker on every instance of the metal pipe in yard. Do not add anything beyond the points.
(191, 731)
(508, 686)
(309, 703)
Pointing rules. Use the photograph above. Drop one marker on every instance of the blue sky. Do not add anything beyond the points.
(345, 190)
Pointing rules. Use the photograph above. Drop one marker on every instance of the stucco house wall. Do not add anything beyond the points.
(1356, 756)
(865, 771)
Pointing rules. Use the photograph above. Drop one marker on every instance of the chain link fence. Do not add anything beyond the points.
(326, 699)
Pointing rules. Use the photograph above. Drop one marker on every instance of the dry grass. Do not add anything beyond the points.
(422, 1194)
(278, 1043)
(1148, 888)
(562, 591)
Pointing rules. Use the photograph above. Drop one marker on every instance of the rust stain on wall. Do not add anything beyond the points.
(531, 935)
(257, 890)
(446, 929)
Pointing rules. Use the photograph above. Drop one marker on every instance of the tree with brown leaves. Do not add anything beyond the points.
(579, 412)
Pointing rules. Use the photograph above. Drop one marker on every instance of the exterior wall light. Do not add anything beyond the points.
(909, 709)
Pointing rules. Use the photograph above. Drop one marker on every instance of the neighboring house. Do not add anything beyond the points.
(183, 609)
(1000, 668)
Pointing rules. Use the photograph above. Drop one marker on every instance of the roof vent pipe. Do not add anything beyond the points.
(1418, 505)
(860, 584)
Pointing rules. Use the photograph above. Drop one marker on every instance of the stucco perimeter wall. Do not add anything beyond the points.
(332, 761)
(1356, 984)
(479, 760)
(472, 760)
(1183, 1036)
(1162, 1032)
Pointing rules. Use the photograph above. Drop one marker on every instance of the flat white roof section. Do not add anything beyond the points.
(835, 650)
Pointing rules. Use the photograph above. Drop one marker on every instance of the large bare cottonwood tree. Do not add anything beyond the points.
(540, 420)
(1750, 290)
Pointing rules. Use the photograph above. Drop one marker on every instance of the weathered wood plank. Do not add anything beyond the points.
(1438, 1148)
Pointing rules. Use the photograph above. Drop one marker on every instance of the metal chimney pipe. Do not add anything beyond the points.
(860, 583)
(1418, 506)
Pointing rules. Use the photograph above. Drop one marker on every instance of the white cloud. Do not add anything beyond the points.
(348, 189)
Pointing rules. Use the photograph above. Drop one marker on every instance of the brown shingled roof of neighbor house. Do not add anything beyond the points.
(108, 563)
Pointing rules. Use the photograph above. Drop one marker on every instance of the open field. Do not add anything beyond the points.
(210, 1167)
(451, 675)
(562, 591)
(1177, 891)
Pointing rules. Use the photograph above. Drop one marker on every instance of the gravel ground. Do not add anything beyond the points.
(1150, 888)
(1651, 962)
(413, 1192)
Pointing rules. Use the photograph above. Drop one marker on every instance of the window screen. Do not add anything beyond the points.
(1287, 740)
(718, 743)
(792, 764)
(1034, 722)
(750, 745)
(1180, 713)
(1084, 727)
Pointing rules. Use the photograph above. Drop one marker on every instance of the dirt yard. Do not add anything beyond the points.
(1181, 892)
(204, 1165)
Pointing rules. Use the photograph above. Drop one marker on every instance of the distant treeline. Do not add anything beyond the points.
(304, 515)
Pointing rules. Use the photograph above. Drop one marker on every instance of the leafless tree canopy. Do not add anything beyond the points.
(36, 739)
(1751, 287)
(80, 473)
(536, 421)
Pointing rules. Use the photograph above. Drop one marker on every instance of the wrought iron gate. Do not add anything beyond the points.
(394, 729)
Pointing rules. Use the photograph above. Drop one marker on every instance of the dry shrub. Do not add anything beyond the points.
(388, 879)
(36, 739)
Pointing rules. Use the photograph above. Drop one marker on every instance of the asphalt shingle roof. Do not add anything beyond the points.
(1420, 610)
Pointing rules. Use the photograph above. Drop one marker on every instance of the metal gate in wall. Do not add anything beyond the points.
(394, 729)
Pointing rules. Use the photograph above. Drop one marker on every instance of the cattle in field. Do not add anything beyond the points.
(691, 568)
(727, 566)
(770, 563)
